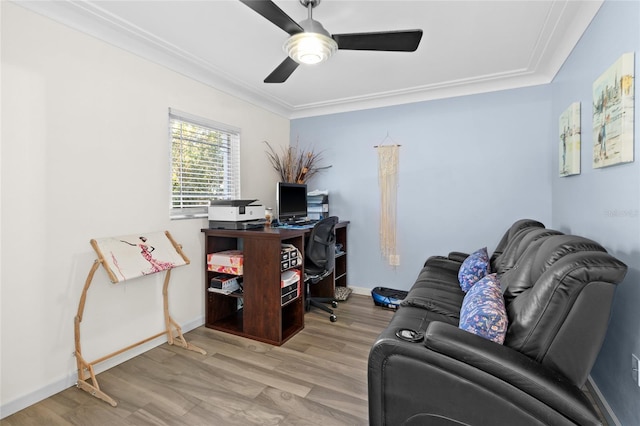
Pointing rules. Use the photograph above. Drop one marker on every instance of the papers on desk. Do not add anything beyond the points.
(287, 226)
(318, 204)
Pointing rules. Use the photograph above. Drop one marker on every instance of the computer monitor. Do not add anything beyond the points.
(292, 202)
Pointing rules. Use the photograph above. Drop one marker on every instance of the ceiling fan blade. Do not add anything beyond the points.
(282, 71)
(273, 13)
(393, 41)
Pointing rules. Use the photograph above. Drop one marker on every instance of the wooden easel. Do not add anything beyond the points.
(172, 329)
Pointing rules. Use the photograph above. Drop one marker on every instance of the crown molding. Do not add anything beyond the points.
(90, 19)
(564, 26)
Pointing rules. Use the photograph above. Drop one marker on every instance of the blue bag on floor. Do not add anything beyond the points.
(388, 297)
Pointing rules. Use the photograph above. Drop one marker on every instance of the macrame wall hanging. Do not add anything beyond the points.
(388, 156)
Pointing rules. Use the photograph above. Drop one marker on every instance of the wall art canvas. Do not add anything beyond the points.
(613, 109)
(569, 129)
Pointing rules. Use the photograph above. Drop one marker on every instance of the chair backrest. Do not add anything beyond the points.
(559, 300)
(320, 251)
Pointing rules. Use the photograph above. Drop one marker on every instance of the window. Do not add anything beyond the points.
(205, 163)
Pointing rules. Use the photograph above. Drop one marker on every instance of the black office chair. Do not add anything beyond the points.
(320, 257)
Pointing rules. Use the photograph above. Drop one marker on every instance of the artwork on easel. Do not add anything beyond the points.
(613, 109)
(132, 256)
(569, 129)
(123, 258)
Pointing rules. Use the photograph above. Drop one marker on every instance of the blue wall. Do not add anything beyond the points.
(604, 204)
(470, 166)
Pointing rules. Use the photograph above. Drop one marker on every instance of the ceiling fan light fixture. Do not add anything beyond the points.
(310, 47)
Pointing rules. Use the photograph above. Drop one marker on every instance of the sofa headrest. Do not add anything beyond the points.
(511, 232)
(541, 252)
(517, 246)
(556, 248)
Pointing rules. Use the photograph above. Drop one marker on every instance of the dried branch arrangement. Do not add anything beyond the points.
(293, 164)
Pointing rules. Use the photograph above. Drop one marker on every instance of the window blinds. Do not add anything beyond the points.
(205, 163)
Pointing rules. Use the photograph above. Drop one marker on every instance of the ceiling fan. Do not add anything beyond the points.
(310, 43)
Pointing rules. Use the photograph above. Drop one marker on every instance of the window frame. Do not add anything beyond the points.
(232, 163)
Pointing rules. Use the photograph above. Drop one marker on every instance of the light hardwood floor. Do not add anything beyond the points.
(318, 377)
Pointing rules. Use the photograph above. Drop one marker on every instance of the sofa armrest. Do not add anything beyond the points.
(457, 256)
(454, 256)
(510, 366)
(426, 382)
(443, 263)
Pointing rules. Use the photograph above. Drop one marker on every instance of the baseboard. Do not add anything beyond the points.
(604, 406)
(70, 379)
(361, 290)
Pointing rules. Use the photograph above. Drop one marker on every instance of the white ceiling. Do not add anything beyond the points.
(467, 47)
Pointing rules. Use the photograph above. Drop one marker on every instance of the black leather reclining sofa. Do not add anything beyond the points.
(557, 291)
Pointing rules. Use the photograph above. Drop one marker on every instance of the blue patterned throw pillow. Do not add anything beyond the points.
(474, 268)
(483, 311)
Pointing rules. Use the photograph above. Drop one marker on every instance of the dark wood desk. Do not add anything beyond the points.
(258, 313)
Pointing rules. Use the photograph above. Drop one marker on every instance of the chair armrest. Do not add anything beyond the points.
(510, 366)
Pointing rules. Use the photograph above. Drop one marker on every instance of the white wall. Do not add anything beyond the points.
(85, 154)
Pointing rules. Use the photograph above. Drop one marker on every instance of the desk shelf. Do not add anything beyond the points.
(341, 270)
(262, 316)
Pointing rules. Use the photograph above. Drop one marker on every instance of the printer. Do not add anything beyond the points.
(235, 214)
